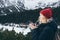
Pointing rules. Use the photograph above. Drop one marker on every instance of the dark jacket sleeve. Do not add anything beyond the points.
(35, 34)
(47, 33)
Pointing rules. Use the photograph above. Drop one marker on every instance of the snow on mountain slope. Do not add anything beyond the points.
(29, 4)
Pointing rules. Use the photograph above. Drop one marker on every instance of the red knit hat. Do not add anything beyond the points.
(47, 12)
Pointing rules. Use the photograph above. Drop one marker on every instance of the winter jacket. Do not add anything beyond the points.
(45, 31)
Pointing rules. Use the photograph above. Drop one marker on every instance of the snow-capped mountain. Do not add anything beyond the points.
(29, 4)
(9, 6)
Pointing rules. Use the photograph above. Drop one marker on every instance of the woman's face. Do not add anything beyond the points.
(41, 17)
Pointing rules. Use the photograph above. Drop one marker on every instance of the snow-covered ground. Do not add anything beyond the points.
(18, 29)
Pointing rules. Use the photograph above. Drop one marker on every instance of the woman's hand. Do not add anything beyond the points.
(32, 26)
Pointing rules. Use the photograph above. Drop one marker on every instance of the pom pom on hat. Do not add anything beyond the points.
(46, 12)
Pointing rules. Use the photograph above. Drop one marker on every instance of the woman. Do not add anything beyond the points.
(47, 26)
